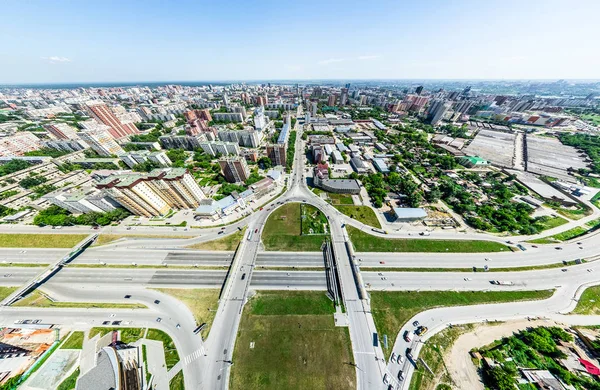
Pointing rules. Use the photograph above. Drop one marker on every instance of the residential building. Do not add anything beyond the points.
(66, 145)
(277, 154)
(228, 117)
(331, 100)
(260, 120)
(134, 158)
(185, 142)
(235, 170)
(249, 138)
(101, 142)
(155, 193)
(81, 201)
(212, 148)
(319, 155)
(344, 97)
(103, 114)
(61, 130)
(19, 144)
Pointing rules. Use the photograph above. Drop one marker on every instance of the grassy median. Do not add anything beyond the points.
(38, 299)
(364, 242)
(40, 240)
(283, 230)
(227, 243)
(287, 340)
(104, 239)
(363, 214)
(203, 303)
(391, 310)
(589, 302)
(75, 341)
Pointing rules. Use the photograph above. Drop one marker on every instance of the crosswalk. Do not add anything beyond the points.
(193, 356)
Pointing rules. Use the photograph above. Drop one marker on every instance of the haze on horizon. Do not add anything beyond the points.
(111, 41)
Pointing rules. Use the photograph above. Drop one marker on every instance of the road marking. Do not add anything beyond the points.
(365, 353)
(193, 356)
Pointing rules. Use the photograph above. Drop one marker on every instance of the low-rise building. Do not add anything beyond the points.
(409, 214)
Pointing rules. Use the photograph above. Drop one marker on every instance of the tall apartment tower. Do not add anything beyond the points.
(344, 97)
(61, 131)
(331, 100)
(102, 113)
(277, 154)
(101, 142)
(235, 170)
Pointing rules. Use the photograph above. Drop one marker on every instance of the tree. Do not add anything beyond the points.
(265, 162)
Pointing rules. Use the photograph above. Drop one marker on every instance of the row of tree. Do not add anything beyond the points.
(56, 216)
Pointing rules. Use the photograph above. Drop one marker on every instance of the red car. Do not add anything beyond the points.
(261, 209)
(255, 230)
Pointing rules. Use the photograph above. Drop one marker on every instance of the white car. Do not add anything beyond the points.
(400, 359)
(393, 357)
(468, 279)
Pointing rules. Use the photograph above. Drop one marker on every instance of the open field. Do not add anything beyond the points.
(128, 335)
(340, 199)
(40, 240)
(433, 352)
(364, 242)
(75, 341)
(199, 301)
(391, 310)
(104, 239)
(177, 382)
(171, 355)
(363, 214)
(287, 340)
(552, 222)
(283, 231)
(37, 299)
(227, 243)
(589, 302)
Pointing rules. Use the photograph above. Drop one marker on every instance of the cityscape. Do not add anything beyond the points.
(329, 216)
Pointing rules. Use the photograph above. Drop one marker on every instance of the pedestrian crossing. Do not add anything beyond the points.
(193, 356)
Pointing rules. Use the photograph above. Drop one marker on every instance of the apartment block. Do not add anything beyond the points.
(101, 142)
(103, 114)
(19, 144)
(277, 154)
(61, 131)
(82, 201)
(155, 193)
(212, 148)
(140, 157)
(235, 170)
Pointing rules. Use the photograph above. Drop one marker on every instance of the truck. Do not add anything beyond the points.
(379, 231)
(501, 283)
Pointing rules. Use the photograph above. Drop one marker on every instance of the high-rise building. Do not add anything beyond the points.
(439, 112)
(260, 121)
(235, 170)
(191, 115)
(102, 113)
(134, 158)
(313, 109)
(277, 154)
(212, 148)
(61, 130)
(154, 193)
(419, 89)
(101, 142)
(344, 97)
(81, 200)
(331, 100)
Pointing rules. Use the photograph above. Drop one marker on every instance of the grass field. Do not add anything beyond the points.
(171, 355)
(593, 118)
(177, 382)
(340, 199)
(364, 242)
(128, 335)
(282, 231)
(589, 302)
(69, 382)
(227, 243)
(40, 240)
(6, 291)
(552, 222)
(104, 239)
(295, 344)
(433, 352)
(75, 341)
(363, 214)
(391, 310)
(201, 302)
(564, 236)
(37, 299)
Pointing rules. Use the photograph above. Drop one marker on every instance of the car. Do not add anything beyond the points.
(534, 246)
(421, 330)
(223, 228)
(128, 228)
(106, 323)
(487, 259)
(113, 315)
(468, 279)
(474, 269)
(243, 276)
(407, 336)
(221, 232)
(382, 262)
(558, 248)
(255, 230)
(393, 358)
(158, 319)
(127, 296)
(37, 321)
(400, 376)
(579, 243)
(116, 322)
(178, 326)
(564, 270)
(400, 359)
(386, 379)
(156, 301)
(415, 323)
(409, 353)
(261, 209)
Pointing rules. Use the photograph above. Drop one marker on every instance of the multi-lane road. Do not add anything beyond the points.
(206, 364)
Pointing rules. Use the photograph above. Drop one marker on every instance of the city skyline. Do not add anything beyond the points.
(149, 42)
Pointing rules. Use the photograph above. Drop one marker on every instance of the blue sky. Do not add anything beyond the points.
(83, 41)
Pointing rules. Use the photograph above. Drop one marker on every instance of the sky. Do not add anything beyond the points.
(127, 41)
